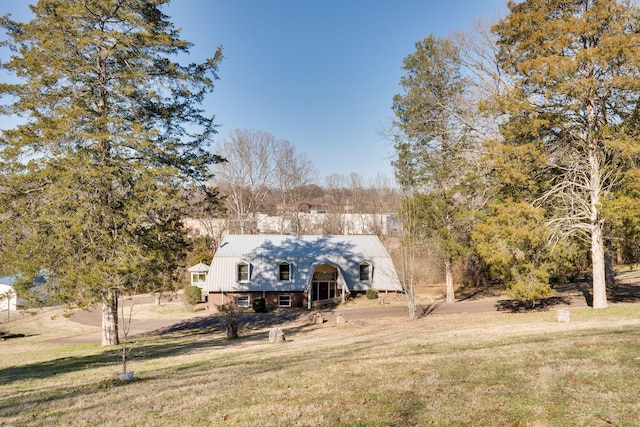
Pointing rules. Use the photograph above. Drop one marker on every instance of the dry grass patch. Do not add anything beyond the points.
(481, 369)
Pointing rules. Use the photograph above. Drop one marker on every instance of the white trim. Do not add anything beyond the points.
(196, 276)
(284, 305)
(247, 297)
(238, 279)
(369, 272)
(290, 272)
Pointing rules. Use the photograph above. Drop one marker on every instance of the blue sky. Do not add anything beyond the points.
(321, 74)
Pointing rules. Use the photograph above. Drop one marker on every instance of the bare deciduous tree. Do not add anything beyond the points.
(256, 163)
(334, 222)
(293, 173)
(246, 176)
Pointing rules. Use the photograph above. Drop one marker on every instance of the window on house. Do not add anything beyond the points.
(243, 272)
(284, 300)
(365, 272)
(284, 272)
(242, 301)
(198, 277)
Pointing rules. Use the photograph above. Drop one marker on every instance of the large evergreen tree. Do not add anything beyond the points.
(111, 139)
(434, 144)
(576, 71)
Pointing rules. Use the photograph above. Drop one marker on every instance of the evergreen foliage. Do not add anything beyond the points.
(574, 106)
(514, 241)
(110, 142)
(259, 305)
(561, 83)
(434, 145)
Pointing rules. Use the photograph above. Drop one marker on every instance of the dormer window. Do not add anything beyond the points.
(284, 272)
(242, 272)
(365, 272)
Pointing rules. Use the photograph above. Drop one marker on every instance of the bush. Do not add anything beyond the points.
(192, 296)
(372, 293)
(529, 285)
(259, 305)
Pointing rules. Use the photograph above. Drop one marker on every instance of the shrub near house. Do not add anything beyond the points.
(192, 296)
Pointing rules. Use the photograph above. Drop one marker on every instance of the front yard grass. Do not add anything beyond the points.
(486, 369)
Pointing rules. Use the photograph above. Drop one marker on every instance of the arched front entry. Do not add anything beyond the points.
(326, 285)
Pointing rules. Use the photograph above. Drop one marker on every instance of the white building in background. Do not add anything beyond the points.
(302, 223)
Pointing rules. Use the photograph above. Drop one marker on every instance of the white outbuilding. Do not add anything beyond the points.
(8, 296)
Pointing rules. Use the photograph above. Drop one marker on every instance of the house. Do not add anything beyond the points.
(8, 296)
(297, 270)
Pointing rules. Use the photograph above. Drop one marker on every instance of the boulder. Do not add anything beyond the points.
(318, 319)
(276, 335)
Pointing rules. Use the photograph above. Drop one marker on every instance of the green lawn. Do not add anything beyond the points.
(477, 370)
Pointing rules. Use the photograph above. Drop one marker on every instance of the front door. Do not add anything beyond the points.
(324, 283)
(323, 290)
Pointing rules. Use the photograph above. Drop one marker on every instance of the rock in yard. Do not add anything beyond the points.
(564, 316)
(276, 335)
(318, 319)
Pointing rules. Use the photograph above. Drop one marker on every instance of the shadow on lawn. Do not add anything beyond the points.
(618, 293)
(200, 335)
(248, 320)
(477, 292)
(165, 342)
(514, 306)
(624, 293)
(59, 366)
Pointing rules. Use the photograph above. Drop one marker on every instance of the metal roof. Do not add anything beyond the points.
(199, 267)
(264, 253)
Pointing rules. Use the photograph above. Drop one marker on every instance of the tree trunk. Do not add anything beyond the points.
(110, 318)
(407, 259)
(597, 240)
(597, 259)
(448, 279)
(411, 303)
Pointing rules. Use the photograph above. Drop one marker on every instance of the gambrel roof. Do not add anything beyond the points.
(264, 254)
